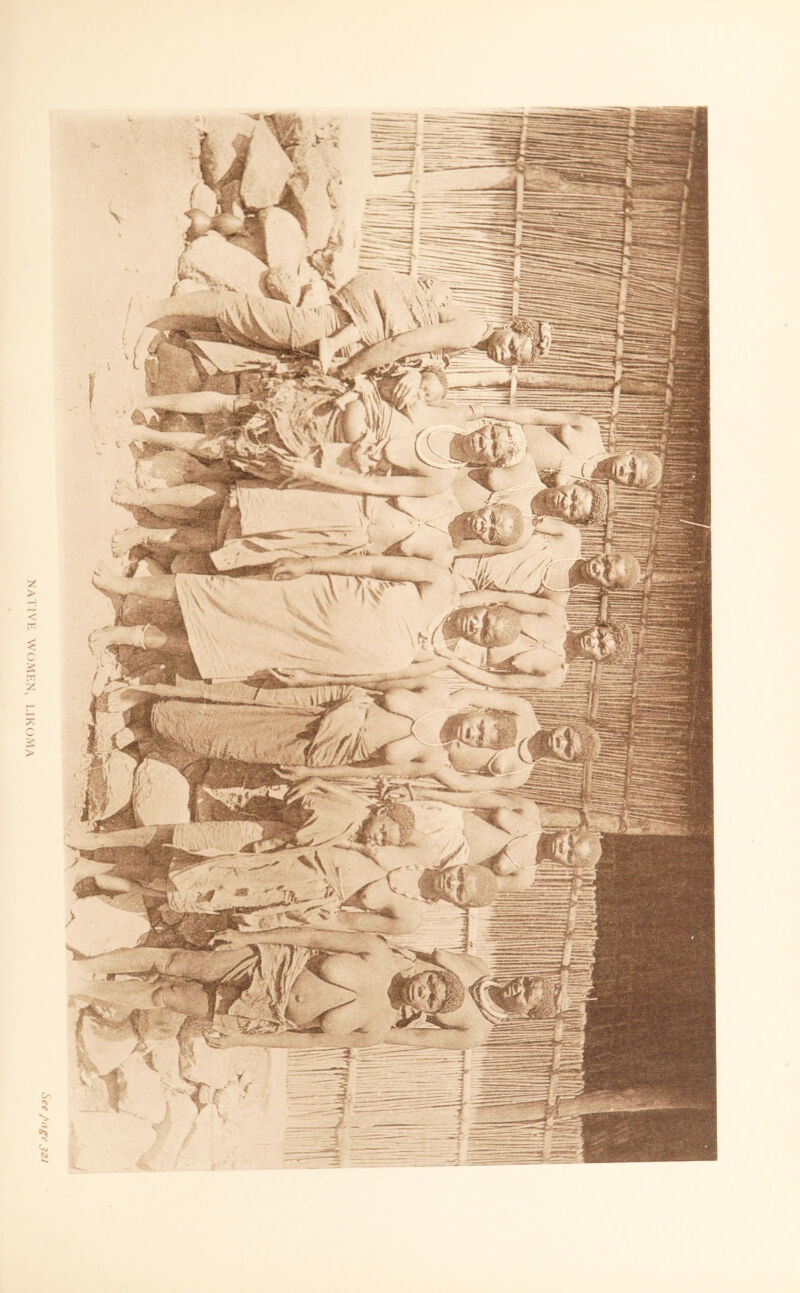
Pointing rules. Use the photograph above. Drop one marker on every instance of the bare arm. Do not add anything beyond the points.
(323, 940)
(438, 1039)
(345, 482)
(524, 603)
(412, 570)
(515, 705)
(499, 681)
(527, 416)
(465, 330)
(303, 1041)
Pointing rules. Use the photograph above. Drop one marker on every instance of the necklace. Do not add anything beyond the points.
(418, 730)
(427, 451)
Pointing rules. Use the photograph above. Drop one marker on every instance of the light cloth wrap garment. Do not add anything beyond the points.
(254, 996)
(319, 624)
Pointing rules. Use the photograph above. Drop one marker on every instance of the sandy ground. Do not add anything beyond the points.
(120, 187)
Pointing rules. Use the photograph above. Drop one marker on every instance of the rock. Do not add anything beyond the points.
(266, 170)
(185, 287)
(103, 1046)
(284, 241)
(203, 199)
(103, 924)
(157, 1025)
(164, 1058)
(307, 198)
(203, 1064)
(175, 367)
(140, 1090)
(251, 239)
(160, 794)
(170, 1135)
(219, 263)
(203, 1146)
(297, 130)
(223, 150)
(315, 290)
(282, 286)
(191, 563)
(109, 1142)
(109, 785)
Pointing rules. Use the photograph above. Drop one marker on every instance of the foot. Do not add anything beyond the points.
(107, 581)
(123, 540)
(101, 639)
(327, 348)
(119, 698)
(125, 494)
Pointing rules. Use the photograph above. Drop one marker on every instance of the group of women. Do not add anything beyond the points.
(370, 573)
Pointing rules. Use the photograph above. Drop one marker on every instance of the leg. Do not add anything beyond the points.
(193, 442)
(161, 588)
(185, 538)
(140, 837)
(190, 496)
(177, 313)
(202, 402)
(146, 636)
(328, 346)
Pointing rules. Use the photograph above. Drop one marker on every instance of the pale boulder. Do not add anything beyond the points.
(140, 1090)
(204, 1064)
(204, 1145)
(170, 1135)
(102, 1046)
(266, 169)
(103, 924)
(109, 785)
(284, 241)
(223, 150)
(109, 1142)
(160, 794)
(307, 198)
(219, 263)
(203, 199)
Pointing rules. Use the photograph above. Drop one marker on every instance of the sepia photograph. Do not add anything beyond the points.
(384, 523)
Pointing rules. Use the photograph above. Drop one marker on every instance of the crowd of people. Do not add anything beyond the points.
(370, 574)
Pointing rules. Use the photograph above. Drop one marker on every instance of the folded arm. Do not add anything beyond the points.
(461, 332)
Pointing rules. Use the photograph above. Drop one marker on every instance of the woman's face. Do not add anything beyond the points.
(478, 729)
(490, 444)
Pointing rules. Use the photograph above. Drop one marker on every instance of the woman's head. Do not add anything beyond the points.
(500, 524)
(528, 996)
(520, 341)
(495, 444)
(431, 992)
(486, 626)
(609, 640)
(484, 729)
(391, 824)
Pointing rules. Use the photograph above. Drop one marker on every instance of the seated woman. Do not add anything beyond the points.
(382, 315)
(316, 618)
(312, 989)
(310, 428)
(338, 732)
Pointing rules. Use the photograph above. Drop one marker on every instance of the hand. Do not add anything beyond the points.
(393, 792)
(295, 469)
(292, 772)
(407, 390)
(223, 938)
(310, 786)
(217, 1040)
(291, 568)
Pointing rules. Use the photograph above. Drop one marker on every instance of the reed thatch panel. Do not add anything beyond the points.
(610, 238)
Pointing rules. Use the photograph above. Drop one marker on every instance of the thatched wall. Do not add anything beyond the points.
(602, 229)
